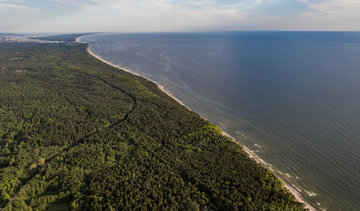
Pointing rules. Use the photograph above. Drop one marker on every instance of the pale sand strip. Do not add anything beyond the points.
(292, 190)
(137, 74)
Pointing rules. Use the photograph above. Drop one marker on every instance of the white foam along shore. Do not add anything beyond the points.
(134, 73)
(292, 190)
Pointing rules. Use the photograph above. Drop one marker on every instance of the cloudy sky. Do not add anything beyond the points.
(177, 15)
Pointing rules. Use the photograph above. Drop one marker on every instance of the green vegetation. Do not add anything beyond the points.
(62, 37)
(78, 134)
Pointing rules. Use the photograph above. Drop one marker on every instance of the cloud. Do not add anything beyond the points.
(183, 15)
(330, 15)
(187, 4)
(333, 6)
(180, 15)
(150, 15)
(7, 7)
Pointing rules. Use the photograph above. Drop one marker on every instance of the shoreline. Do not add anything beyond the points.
(161, 87)
(252, 155)
(290, 188)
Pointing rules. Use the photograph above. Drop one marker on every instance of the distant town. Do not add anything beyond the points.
(22, 38)
(11, 38)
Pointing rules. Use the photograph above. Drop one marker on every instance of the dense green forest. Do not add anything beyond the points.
(62, 37)
(78, 134)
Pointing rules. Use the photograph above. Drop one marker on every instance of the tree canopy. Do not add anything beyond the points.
(78, 134)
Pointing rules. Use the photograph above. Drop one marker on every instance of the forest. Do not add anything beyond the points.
(61, 37)
(78, 134)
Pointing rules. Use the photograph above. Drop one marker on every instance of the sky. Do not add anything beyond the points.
(177, 15)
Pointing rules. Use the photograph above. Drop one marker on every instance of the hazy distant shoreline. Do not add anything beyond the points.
(292, 190)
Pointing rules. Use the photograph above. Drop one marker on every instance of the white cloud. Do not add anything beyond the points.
(6, 7)
(150, 15)
(329, 15)
(304, 1)
(160, 4)
(177, 15)
(333, 6)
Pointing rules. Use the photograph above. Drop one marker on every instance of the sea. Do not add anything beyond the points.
(292, 98)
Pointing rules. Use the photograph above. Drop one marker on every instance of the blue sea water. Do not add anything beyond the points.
(293, 98)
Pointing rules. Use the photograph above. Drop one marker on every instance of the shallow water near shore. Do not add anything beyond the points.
(293, 98)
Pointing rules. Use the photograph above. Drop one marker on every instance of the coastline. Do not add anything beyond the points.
(161, 87)
(252, 155)
(290, 188)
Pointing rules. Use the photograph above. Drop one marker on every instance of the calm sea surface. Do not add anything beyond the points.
(291, 97)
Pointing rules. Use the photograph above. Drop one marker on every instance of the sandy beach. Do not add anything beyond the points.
(292, 190)
(134, 73)
(252, 155)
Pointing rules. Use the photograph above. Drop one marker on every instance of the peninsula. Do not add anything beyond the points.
(77, 134)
